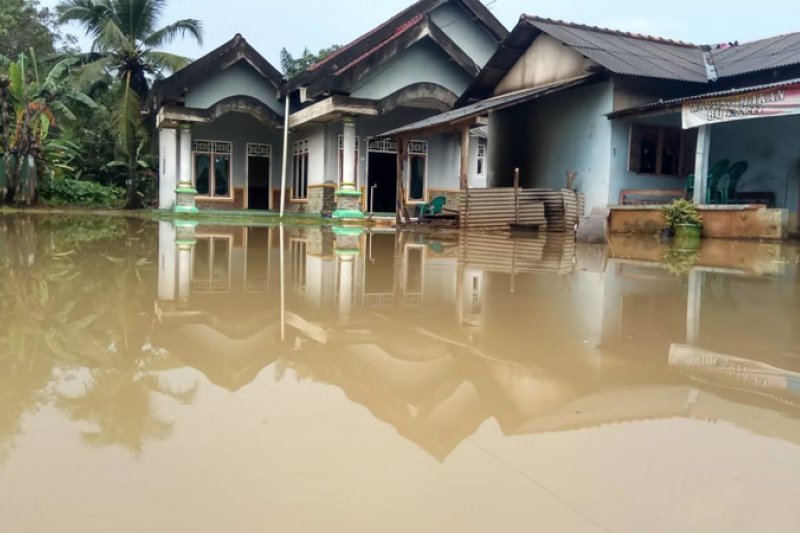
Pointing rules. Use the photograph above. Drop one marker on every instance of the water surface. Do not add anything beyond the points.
(205, 379)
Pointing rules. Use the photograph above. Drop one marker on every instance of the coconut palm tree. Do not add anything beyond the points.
(126, 38)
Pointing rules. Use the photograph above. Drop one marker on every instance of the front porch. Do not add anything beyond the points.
(733, 154)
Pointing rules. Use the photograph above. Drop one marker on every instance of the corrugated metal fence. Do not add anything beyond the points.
(554, 210)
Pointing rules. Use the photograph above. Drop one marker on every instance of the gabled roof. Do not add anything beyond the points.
(628, 53)
(328, 73)
(618, 52)
(633, 54)
(764, 54)
(237, 49)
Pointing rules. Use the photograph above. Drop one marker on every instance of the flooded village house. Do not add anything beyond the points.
(221, 119)
(627, 120)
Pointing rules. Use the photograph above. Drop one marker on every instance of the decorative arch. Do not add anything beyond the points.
(432, 95)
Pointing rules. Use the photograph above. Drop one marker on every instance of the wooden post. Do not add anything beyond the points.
(516, 195)
(464, 158)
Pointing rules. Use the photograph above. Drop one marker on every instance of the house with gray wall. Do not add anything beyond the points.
(221, 119)
(605, 107)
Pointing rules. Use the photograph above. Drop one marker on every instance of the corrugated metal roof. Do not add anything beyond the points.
(780, 51)
(483, 107)
(628, 53)
(668, 104)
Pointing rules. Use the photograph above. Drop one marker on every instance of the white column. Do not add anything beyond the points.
(693, 306)
(168, 167)
(349, 155)
(346, 285)
(185, 157)
(701, 164)
(167, 263)
(184, 272)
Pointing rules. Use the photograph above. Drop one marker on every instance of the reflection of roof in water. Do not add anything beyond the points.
(227, 362)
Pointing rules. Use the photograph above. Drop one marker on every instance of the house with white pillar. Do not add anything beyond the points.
(219, 124)
(221, 119)
(415, 65)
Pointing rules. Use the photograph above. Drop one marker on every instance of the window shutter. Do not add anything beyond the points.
(634, 148)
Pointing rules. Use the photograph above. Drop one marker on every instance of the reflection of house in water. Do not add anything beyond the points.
(436, 338)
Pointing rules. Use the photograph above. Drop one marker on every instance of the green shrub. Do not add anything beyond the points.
(681, 212)
(83, 193)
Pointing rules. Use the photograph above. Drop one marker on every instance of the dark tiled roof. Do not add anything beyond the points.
(365, 46)
(675, 102)
(237, 49)
(775, 52)
(628, 53)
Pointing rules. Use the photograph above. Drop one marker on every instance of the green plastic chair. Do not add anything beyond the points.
(734, 174)
(689, 188)
(714, 175)
(433, 208)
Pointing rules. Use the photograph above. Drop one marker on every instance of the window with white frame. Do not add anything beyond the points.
(341, 158)
(480, 169)
(212, 168)
(211, 264)
(417, 170)
(300, 170)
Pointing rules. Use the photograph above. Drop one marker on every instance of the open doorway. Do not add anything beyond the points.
(259, 159)
(382, 172)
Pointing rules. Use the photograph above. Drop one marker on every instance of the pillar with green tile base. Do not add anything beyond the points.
(348, 247)
(185, 193)
(348, 197)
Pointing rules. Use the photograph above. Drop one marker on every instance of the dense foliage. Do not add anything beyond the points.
(70, 121)
(68, 191)
(292, 66)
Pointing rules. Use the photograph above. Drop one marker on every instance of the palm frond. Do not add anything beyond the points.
(90, 14)
(89, 74)
(113, 38)
(169, 33)
(164, 61)
(126, 117)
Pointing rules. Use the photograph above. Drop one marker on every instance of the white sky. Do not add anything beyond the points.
(270, 25)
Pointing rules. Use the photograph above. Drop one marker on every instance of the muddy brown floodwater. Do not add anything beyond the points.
(156, 377)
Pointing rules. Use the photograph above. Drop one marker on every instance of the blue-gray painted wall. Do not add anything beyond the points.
(241, 129)
(549, 137)
(459, 26)
(422, 62)
(621, 177)
(239, 79)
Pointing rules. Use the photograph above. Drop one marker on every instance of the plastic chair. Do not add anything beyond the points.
(433, 208)
(734, 174)
(714, 175)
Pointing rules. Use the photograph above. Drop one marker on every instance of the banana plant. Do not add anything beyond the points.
(30, 107)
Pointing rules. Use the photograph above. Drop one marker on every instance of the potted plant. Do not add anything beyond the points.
(682, 217)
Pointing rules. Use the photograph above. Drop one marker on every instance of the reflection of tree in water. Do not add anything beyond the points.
(75, 294)
(119, 401)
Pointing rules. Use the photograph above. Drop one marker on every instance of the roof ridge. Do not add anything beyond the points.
(663, 40)
(396, 18)
(716, 46)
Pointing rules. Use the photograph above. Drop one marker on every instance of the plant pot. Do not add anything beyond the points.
(687, 236)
